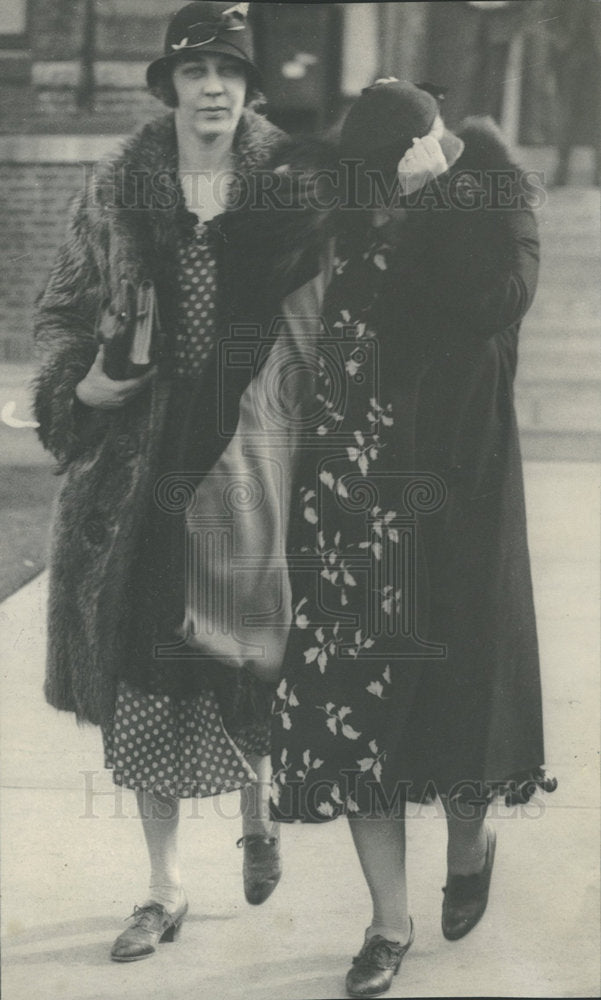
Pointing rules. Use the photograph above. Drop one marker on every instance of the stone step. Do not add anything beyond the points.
(540, 369)
(557, 268)
(565, 309)
(579, 219)
(557, 247)
(569, 407)
(550, 446)
(574, 211)
(559, 359)
(584, 342)
(558, 272)
(535, 336)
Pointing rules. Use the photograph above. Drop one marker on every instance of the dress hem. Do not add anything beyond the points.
(290, 803)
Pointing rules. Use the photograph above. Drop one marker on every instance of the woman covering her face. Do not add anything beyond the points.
(411, 671)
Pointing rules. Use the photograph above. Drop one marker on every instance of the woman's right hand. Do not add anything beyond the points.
(104, 393)
(422, 162)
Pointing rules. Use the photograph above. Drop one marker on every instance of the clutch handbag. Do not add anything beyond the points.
(129, 330)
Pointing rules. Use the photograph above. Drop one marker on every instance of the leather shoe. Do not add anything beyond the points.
(466, 896)
(151, 924)
(376, 965)
(262, 868)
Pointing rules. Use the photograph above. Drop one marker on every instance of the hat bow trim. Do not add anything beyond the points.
(232, 19)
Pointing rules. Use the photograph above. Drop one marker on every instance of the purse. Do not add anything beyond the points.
(130, 330)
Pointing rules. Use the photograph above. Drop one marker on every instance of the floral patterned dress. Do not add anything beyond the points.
(355, 656)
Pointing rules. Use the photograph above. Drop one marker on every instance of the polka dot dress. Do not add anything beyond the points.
(174, 747)
(197, 281)
(162, 743)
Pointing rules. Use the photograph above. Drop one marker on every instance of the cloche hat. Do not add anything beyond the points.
(206, 26)
(381, 125)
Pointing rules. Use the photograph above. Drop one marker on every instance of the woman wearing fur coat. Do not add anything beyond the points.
(152, 240)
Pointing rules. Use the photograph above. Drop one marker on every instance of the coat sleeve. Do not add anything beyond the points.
(485, 268)
(475, 271)
(64, 333)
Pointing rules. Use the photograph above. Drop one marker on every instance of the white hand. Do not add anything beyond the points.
(104, 393)
(420, 164)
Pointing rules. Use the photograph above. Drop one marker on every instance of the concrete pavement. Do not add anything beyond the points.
(74, 860)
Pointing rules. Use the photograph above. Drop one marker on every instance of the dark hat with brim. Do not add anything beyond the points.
(206, 26)
(382, 124)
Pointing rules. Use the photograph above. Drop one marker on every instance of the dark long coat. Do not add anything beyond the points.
(363, 714)
(125, 226)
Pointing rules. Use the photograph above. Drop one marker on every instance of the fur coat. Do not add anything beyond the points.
(412, 664)
(120, 229)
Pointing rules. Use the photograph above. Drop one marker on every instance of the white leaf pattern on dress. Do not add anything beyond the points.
(336, 718)
(362, 453)
(373, 764)
(325, 808)
(289, 700)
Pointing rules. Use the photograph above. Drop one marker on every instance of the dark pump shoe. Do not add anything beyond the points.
(376, 965)
(466, 896)
(262, 868)
(151, 924)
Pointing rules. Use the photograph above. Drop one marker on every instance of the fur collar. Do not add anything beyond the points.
(152, 152)
(135, 207)
(485, 145)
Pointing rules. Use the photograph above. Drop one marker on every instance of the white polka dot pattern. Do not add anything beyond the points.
(173, 747)
(155, 742)
(197, 284)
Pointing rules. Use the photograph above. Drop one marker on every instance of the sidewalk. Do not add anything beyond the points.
(74, 860)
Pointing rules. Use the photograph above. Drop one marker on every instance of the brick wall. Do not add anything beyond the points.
(32, 221)
(55, 29)
(115, 110)
(124, 28)
(38, 178)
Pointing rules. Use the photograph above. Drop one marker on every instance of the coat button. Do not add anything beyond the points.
(126, 446)
(94, 529)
